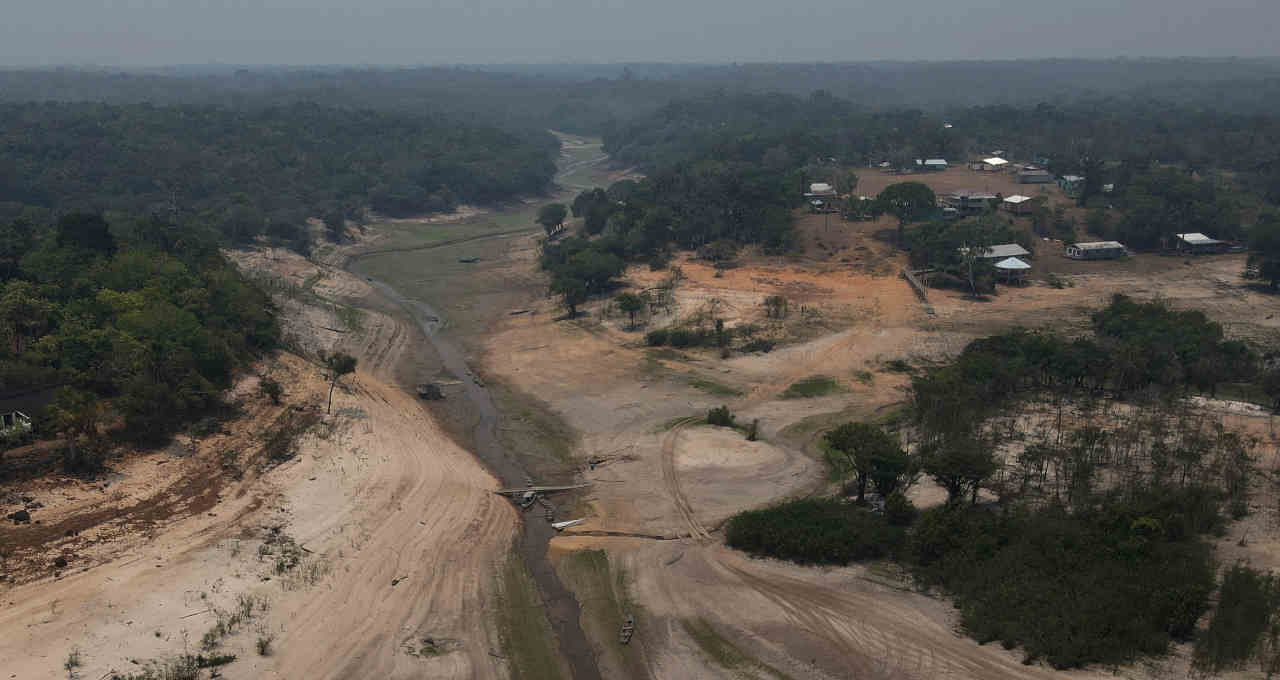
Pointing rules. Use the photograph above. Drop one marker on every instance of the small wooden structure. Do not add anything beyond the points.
(628, 629)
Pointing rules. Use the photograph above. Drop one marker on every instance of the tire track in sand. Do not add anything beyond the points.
(696, 530)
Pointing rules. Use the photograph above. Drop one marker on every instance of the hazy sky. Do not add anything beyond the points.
(157, 32)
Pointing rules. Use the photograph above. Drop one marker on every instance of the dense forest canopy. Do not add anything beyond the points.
(138, 320)
(243, 173)
(584, 98)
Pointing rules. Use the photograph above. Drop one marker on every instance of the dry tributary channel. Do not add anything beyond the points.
(484, 420)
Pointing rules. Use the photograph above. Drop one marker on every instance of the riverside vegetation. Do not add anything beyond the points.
(1085, 545)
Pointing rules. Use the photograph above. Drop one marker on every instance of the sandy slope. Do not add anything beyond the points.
(401, 531)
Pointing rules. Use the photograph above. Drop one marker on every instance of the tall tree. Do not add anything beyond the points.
(572, 291)
(909, 202)
(551, 216)
(24, 312)
(875, 457)
(338, 365)
(1264, 255)
(631, 304)
(960, 465)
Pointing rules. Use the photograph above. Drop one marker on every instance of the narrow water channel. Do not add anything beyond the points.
(561, 608)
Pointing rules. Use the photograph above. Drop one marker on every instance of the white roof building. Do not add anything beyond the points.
(1017, 199)
(1012, 264)
(995, 161)
(1098, 245)
(1195, 238)
(820, 188)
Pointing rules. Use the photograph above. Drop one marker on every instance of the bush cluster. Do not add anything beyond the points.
(1095, 586)
(814, 531)
(720, 416)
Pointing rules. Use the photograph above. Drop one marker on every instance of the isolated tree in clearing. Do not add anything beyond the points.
(631, 304)
(551, 216)
(338, 365)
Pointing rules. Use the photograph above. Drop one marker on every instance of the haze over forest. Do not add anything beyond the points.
(298, 32)
(570, 340)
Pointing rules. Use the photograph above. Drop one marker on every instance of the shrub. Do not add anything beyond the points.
(813, 386)
(720, 417)
(271, 389)
(814, 531)
(656, 337)
(264, 645)
(73, 662)
(898, 510)
(683, 337)
(775, 307)
(83, 458)
(758, 345)
(898, 366)
(1246, 604)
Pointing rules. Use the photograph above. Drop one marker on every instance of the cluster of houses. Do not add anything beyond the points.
(1008, 257)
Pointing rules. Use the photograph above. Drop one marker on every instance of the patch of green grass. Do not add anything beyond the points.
(725, 653)
(526, 634)
(606, 601)
(351, 317)
(541, 436)
(813, 386)
(713, 387)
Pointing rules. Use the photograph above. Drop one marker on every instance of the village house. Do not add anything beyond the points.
(1071, 184)
(1097, 250)
(970, 202)
(1018, 204)
(1196, 243)
(992, 164)
(1031, 175)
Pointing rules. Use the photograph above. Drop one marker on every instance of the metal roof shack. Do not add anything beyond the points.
(1195, 238)
(1001, 251)
(1033, 176)
(1196, 242)
(1097, 250)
